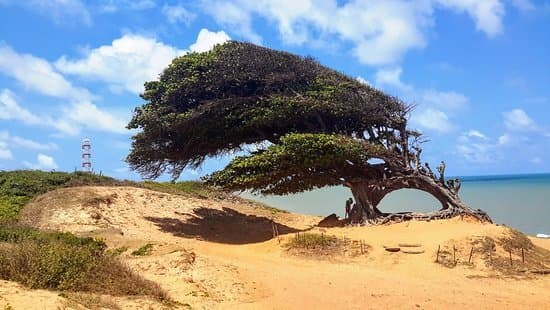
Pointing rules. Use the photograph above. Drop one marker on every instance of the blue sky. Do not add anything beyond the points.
(477, 71)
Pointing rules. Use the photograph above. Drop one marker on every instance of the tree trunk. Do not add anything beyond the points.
(369, 194)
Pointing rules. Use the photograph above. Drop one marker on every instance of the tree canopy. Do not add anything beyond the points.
(312, 126)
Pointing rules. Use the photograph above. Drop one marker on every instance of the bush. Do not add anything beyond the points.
(311, 241)
(144, 250)
(19, 186)
(65, 262)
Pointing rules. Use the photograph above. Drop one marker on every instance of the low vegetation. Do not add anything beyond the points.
(62, 261)
(19, 187)
(311, 241)
(144, 250)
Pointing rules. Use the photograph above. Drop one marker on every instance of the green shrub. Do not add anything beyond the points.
(144, 250)
(65, 262)
(19, 186)
(311, 241)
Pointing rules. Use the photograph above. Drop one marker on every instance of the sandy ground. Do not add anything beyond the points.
(221, 255)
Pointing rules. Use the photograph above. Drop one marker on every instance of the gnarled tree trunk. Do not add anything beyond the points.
(369, 194)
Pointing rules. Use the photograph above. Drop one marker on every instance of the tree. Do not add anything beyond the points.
(311, 126)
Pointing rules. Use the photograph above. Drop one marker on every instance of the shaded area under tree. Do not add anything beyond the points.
(222, 226)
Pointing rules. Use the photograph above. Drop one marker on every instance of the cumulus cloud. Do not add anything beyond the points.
(44, 162)
(380, 32)
(435, 107)
(38, 75)
(435, 120)
(206, 40)
(128, 62)
(178, 14)
(518, 120)
(125, 64)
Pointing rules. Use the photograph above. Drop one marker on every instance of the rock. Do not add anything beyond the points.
(331, 221)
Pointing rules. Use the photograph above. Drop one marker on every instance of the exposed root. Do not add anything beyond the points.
(388, 218)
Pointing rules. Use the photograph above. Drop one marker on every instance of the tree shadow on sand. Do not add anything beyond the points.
(222, 226)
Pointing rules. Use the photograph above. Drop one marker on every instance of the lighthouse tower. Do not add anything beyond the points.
(86, 155)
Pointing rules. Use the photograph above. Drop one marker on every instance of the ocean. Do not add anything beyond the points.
(518, 201)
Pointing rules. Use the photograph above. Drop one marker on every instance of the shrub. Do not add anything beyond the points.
(144, 250)
(311, 241)
(65, 262)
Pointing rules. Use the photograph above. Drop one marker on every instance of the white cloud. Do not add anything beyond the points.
(362, 80)
(487, 14)
(391, 77)
(504, 139)
(16, 141)
(476, 134)
(88, 115)
(178, 14)
(58, 10)
(128, 62)
(5, 152)
(433, 120)
(518, 120)
(523, 5)
(11, 110)
(206, 40)
(380, 32)
(112, 6)
(44, 162)
(448, 100)
(38, 75)
(476, 147)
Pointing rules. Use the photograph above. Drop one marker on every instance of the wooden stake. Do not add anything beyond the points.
(471, 252)
(454, 254)
(362, 252)
(522, 256)
(437, 255)
(511, 257)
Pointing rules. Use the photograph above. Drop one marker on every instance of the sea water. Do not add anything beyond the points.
(519, 201)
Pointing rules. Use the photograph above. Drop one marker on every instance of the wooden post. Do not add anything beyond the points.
(522, 256)
(471, 252)
(437, 255)
(454, 254)
(511, 257)
(362, 252)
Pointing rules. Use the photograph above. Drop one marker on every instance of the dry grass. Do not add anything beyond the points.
(511, 254)
(65, 262)
(325, 246)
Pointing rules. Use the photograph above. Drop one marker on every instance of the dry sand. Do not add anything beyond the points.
(221, 255)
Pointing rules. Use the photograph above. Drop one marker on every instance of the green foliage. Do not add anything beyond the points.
(311, 241)
(213, 103)
(144, 250)
(189, 188)
(65, 262)
(300, 162)
(20, 186)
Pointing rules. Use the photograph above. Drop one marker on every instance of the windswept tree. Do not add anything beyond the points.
(310, 126)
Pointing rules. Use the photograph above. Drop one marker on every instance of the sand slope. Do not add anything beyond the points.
(219, 254)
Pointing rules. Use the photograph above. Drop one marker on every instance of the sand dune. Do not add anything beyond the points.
(219, 254)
